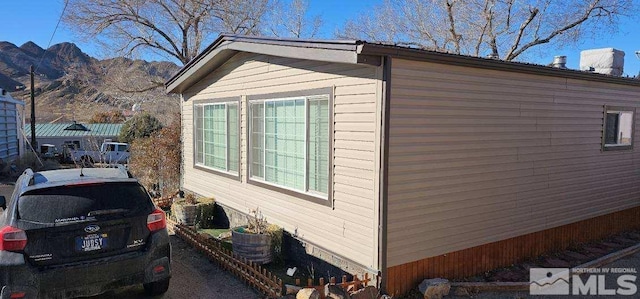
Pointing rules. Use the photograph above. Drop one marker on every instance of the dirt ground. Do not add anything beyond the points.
(193, 277)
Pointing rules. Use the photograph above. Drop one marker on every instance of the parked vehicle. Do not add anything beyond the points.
(67, 148)
(110, 152)
(81, 232)
(49, 151)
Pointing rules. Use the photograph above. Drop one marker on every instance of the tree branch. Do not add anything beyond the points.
(586, 16)
(452, 28)
(532, 15)
(154, 85)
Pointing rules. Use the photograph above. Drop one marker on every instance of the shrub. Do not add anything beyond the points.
(140, 126)
(276, 234)
(105, 117)
(157, 159)
(31, 160)
(257, 223)
(205, 213)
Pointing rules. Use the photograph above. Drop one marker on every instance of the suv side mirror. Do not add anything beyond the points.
(3, 202)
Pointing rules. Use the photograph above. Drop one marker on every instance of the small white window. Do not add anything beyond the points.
(618, 128)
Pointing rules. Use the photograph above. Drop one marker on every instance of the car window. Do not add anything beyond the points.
(83, 202)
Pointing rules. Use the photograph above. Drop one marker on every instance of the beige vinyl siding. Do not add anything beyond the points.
(478, 156)
(350, 228)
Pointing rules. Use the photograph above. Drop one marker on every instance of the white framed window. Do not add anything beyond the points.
(618, 128)
(289, 142)
(216, 138)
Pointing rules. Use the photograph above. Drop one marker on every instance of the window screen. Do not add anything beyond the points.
(217, 136)
(618, 128)
(290, 143)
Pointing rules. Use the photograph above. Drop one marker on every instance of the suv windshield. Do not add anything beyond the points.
(83, 202)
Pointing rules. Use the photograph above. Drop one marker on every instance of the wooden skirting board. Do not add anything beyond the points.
(477, 260)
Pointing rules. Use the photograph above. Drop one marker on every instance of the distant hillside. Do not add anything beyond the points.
(71, 85)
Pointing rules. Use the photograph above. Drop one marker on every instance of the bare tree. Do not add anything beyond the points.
(290, 19)
(179, 29)
(501, 28)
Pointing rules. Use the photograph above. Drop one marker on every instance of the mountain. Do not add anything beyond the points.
(71, 85)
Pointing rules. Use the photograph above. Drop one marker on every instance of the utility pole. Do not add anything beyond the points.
(33, 112)
(638, 56)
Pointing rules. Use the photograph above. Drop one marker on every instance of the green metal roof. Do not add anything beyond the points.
(58, 130)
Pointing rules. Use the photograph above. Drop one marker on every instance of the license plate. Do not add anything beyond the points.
(91, 242)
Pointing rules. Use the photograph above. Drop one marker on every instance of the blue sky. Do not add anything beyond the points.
(35, 20)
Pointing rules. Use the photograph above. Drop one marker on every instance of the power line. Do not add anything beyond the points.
(66, 2)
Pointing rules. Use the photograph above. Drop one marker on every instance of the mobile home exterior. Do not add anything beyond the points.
(406, 162)
(11, 120)
(85, 136)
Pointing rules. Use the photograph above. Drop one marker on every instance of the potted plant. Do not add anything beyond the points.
(193, 211)
(254, 241)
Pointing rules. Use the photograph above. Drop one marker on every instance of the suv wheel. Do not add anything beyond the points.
(157, 287)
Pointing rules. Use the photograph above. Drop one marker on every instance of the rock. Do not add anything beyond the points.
(367, 292)
(308, 293)
(225, 235)
(332, 291)
(291, 289)
(288, 297)
(291, 271)
(463, 292)
(434, 288)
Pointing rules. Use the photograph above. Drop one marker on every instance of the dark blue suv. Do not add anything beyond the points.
(81, 232)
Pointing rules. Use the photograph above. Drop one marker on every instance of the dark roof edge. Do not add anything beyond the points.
(195, 60)
(492, 64)
(340, 45)
(356, 51)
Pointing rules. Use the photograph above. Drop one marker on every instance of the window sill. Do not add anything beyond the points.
(291, 192)
(612, 147)
(230, 175)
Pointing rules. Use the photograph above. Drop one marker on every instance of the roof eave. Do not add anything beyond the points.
(487, 63)
(227, 46)
(352, 52)
(10, 99)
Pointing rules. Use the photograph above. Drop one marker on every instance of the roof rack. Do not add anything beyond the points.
(29, 173)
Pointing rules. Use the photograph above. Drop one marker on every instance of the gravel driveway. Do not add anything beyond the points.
(193, 277)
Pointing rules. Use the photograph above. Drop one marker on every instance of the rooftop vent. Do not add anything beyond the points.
(559, 61)
(608, 61)
(76, 127)
(493, 56)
